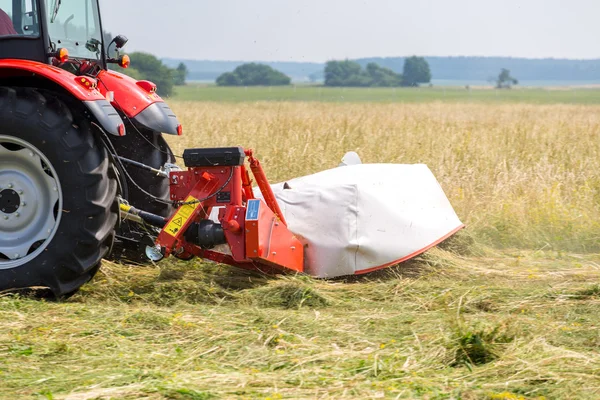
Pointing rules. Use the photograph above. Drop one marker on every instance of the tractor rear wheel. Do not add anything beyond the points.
(58, 206)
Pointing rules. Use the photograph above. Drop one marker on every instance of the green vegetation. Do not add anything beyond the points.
(253, 74)
(198, 92)
(415, 71)
(505, 81)
(179, 75)
(350, 74)
(447, 326)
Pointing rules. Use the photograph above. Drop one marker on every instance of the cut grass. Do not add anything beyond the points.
(446, 326)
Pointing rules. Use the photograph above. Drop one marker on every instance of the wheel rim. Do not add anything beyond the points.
(30, 204)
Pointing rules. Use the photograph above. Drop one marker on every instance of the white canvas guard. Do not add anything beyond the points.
(361, 217)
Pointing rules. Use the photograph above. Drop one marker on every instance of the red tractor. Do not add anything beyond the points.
(82, 154)
(85, 171)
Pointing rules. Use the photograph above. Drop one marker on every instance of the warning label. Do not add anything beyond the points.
(181, 216)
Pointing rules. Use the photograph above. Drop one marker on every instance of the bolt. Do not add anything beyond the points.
(9, 185)
(274, 253)
(23, 204)
(255, 251)
(20, 192)
(16, 255)
(293, 247)
(49, 230)
(54, 188)
(6, 217)
(31, 154)
(17, 214)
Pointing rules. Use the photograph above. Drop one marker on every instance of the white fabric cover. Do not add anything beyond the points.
(357, 218)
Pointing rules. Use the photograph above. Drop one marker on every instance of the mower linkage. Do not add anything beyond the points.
(216, 206)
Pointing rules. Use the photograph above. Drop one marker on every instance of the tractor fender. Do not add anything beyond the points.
(91, 97)
(138, 101)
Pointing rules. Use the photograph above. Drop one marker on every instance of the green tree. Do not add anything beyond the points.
(350, 73)
(228, 79)
(345, 73)
(179, 74)
(253, 74)
(383, 77)
(145, 66)
(505, 81)
(416, 70)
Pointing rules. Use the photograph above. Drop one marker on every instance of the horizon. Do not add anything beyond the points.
(383, 57)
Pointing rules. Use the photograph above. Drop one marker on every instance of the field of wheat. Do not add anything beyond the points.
(518, 175)
(508, 309)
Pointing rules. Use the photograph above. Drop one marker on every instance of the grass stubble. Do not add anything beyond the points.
(507, 309)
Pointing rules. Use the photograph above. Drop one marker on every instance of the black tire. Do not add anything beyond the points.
(149, 148)
(89, 186)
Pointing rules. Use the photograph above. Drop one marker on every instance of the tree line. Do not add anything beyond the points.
(337, 73)
(345, 73)
(350, 73)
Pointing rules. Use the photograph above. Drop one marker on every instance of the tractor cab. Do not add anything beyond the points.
(65, 33)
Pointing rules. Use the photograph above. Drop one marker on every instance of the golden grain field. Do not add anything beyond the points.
(518, 175)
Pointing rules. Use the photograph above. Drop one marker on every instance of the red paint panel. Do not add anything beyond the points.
(129, 96)
(13, 68)
(269, 242)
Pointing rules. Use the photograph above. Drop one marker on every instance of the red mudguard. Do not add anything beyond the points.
(94, 100)
(138, 101)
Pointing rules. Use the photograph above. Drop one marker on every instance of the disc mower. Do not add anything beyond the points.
(85, 173)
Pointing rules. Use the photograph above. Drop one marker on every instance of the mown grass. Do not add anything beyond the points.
(507, 309)
(572, 95)
(498, 326)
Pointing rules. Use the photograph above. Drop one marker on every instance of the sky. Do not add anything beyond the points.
(321, 30)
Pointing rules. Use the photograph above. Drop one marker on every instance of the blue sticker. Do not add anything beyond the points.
(252, 210)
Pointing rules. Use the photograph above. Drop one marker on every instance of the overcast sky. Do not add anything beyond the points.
(320, 30)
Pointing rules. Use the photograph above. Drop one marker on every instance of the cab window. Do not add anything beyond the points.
(18, 18)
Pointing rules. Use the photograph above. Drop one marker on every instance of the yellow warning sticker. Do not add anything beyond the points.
(181, 216)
